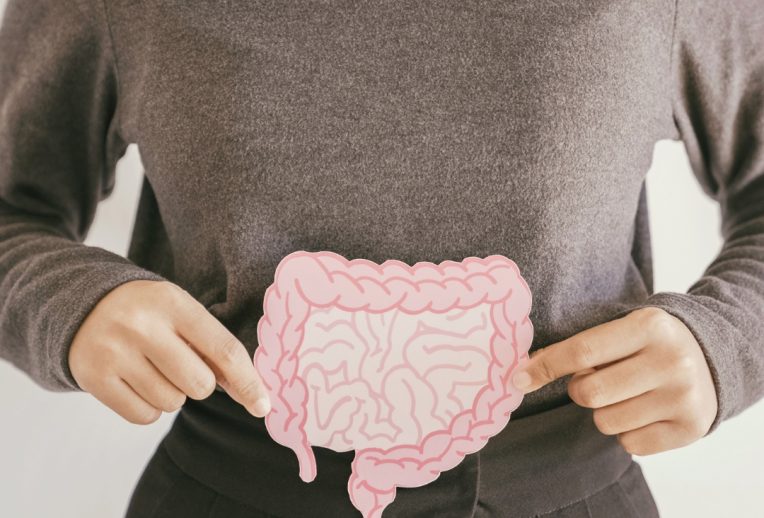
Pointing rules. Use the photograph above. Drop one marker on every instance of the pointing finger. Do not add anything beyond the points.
(588, 349)
(227, 357)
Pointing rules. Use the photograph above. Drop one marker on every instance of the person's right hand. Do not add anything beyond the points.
(147, 345)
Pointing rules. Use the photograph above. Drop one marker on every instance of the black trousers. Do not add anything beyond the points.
(215, 462)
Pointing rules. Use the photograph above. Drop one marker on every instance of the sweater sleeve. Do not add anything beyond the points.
(59, 145)
(718, 106)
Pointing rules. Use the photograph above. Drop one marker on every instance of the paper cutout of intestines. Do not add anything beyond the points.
(410, 366)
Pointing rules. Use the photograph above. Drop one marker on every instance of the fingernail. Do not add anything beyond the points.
(262, 406)
(521, 379)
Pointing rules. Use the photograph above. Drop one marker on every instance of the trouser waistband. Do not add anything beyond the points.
(538, 463)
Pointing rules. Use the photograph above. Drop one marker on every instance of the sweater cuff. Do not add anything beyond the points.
(717, 338)
(63, 313)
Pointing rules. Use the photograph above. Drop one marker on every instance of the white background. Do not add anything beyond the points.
(65, 455)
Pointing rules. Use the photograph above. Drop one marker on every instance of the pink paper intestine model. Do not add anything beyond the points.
(410, 366)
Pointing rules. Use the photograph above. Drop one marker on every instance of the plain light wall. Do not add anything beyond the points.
(65, 455)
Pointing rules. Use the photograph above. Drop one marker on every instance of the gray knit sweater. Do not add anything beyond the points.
(414, 130)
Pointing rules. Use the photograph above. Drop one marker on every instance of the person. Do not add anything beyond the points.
(416, 131)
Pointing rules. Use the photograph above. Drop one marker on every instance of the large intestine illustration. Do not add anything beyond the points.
(409, 366)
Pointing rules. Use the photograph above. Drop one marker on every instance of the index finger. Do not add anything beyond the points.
(226, 356)
(588, 349)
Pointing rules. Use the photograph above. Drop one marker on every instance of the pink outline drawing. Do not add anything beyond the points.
(308, 280)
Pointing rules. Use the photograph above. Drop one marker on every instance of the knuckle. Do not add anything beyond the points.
(627, 443)
(109, 354)
(174, 402)
(697, 429)
(591, 393)
(689, 399)
(78, 363)
(134, 316)
(196, 309)
(545, 371)
(144, 417)
(683, 368)
(89, 380)
(584, 353)
(169, 288)
(684, 363)
(658, 322)
(143, 334)
(186, 309)
(174, 293)
(692, 428)
(228, 349)
(603, 422)
(202, 386)
(250, 390)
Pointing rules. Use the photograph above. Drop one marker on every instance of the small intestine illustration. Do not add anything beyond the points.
(408, 366)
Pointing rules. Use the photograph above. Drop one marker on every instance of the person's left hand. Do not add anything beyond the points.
(644, 375)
